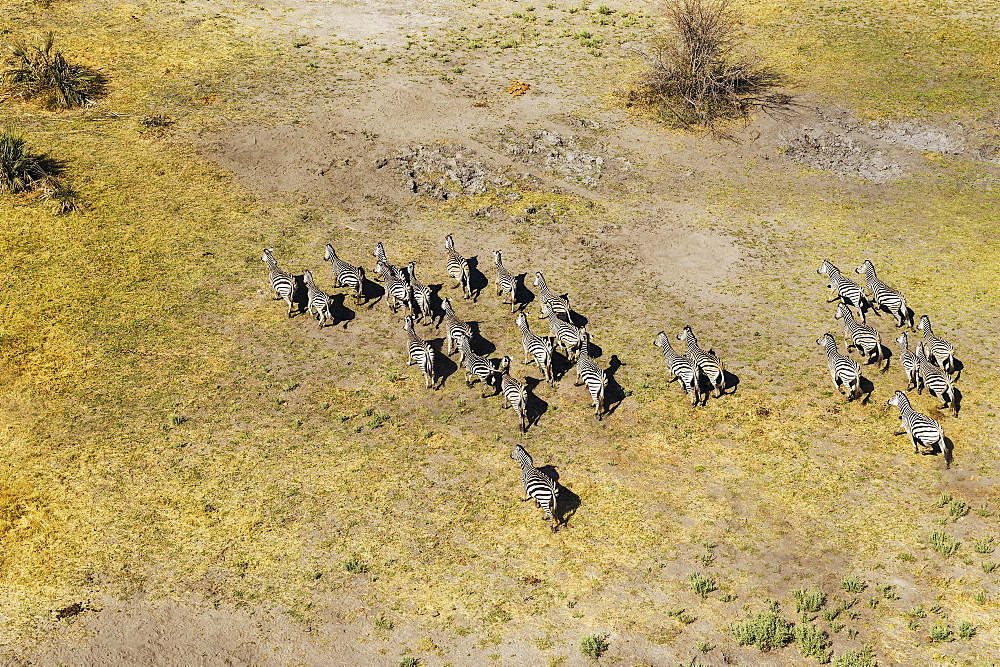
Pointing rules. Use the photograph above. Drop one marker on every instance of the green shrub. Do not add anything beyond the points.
(355, 566)
(594, 646)
(863, 658)
(984, 546)
(957, 509)
(813, 642)
(940, 632)
(966, 630)
(701, 584)
(766, 631)
(20, 170)
(811, 600)
(853, 584)
(40, 72)
(943, 543)
(988, 566)
(383, 623)
(409, 661)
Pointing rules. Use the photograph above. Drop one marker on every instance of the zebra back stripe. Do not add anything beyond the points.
(454, 327)
(282, 283)
(908, 360)
(344, 274)
(318, 300)
(935, 380)
(564, 334)
(937, 349)
(536, 349)
(681, 367)
(844, 371)
(860, 336)
(420, 353)
(537, 485)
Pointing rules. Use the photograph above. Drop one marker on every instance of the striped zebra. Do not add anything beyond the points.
(845, 372)
(514, 394)
(908, 360)
(938, 350)
(559, 305)
(884, 296)
(536, 349)
(563, 334)
(344, 274)
(397, 292)
(588, 373)
(683, 369)
(458, 268)
(537, 485)
(454, 328)
(317, 300)
(923, 431)
(421, 295)
(861, 337)
(506, 284)
(843, 288)
(935, 380)
(708, 363)
(420, 353)
(282, 283)
(477, 367)
(384, 261)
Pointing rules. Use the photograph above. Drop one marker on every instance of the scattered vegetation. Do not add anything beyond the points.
(409, 661)
(864, 657)
(853, 584)
(813, 642)
(966, 630)
(384, 624)
(701, 584)
(23, 171)
(355, 566)
(594, 646)
(40, 72)
(697, 74)
(940, 632)
(811, 600)
(984, 546)
(943, 543)
(766, 630)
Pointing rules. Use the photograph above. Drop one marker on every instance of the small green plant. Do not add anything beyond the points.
(766, 630)
(810, 600)
(943, 500)
(594, 646)
(682, 616)
(957, 509)
(355, 566)
(604, 9)
(907, 558)
(917, 612)
(409, 661)
(873, 603)
(38, 71)
(862, 658)
(20, 170)
(177, 420)
(988, 566)
(836, 626)
(887, 592)
(705, 647)
(940, 632)
(966, 630)
(384, 624)
(813, 642)
(981, 597)
(853, 584)
(701, 584)
(943, 543)
(984, 546)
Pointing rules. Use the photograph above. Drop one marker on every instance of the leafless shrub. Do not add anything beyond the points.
(699, 74)
(40, 72)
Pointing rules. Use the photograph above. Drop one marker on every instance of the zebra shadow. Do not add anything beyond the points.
(729, 380)
(948, 452)
(575, 318)
(567, 502)
(614, 393)
(477, 280)
(867, 387)
(300, 294)
(372, 292)
(957, 369)
(522, 295)
(536, 406)
(480, 345)
(339, 310)
(444, 366)
(436, 305)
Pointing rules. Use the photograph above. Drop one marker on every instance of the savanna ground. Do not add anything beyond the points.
(189, 477)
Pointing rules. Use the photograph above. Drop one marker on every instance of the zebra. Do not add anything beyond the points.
(537, 485)
(844, 289)
(476, 367)
(558, 304)
(708, 363)
(683, 369)
(397, 292)
(935, 380)
(923, 431)
(383, 260)
(421, 295)
(317, 299)
(938, 350)
(458, 268)
(861, 337)
(588, 373)
(564, 334)
(884, 296)
(344, 274)
(514, 393)
(506, 284)
(282, 283)
(908, 360)
(536, 349)
(454, 328)
(420, 353)
(845, 372)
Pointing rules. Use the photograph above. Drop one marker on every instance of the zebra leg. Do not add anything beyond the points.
(289, 300)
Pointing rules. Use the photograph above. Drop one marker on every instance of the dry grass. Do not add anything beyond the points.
(39, 72)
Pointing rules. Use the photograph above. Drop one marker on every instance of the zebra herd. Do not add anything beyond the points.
(699, 372)
(930, 366)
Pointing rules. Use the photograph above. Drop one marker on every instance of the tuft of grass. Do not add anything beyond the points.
(355, 566)
(594, 646)
(41, 72)
(957, 509)
(701, 584)
(984, 546)
(917, 612)
(20, 169)
(853, 584)
(383, 623)
(604, 10)
(940, 632)
(966, 630)
(988, 566)
(813, 642)
(810, 600)
(943, 543)
(865, 657)
(766, 630)
(409, 661)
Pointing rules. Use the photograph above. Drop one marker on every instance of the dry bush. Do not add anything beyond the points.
(699, 75)
(40, 72)
(23, 171)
